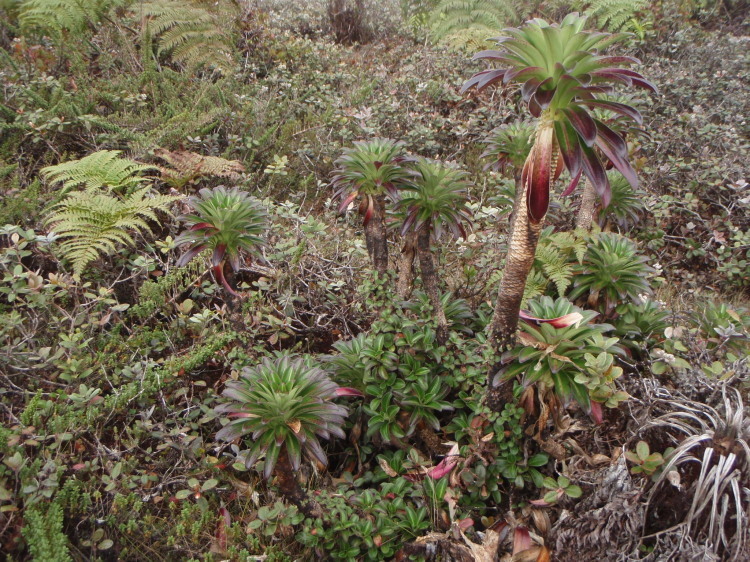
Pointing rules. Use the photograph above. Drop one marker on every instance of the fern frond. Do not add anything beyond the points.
(94, 223)
(614, 14)
(555, 266)
(186, 166)
(100, 169)
(192, 34)
(456, 19)
(536, 284)
(56, 16)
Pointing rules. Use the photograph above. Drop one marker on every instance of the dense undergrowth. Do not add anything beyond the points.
(142, 305)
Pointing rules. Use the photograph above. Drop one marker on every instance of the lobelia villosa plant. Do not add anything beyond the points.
(434, 200)
(610, 273)
(371, 170)
(284, 406)
(561, 70)
(227, 221)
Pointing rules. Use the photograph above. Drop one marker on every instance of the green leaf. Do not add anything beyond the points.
(540, 459)
(209, 484)
(182, 494)
(642, 450)
(550, 497)
(573, 491)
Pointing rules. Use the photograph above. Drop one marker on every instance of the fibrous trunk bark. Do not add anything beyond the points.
(522, 242)
(406, 266)
(588, 204)
(287, 481)
(430, 280)
(376, 237)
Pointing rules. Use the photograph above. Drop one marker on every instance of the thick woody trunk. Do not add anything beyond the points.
(430, 280)
(376, 237)
(287, 481)
(406, 266)
(588, 204)
(522, 242)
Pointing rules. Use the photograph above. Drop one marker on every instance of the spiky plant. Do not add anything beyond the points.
(640, 326)
(724, 327)
(370, 171)
(561, 350)
(283, 408)
(508, 147)
(626, 205)
(701, 491)
(433, 201)
(227, 221)
(561, 70)
(612, 272)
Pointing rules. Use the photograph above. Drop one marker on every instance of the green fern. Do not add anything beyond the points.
(470, 19)
(615, 15)
(555, 266)
(536, 285)
(195, 34)
(92, 224)
(100, 169)
(555, 259)
(56, 16)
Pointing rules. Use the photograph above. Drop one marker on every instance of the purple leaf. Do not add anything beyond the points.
(190, 254)
(218, 256)
(559, 322)
(202, 226)
(521, 74)
(616, 107)
(368, 212)
(582, 122)
(573, 183)
(614, 147)
(596, 412)
(346, 202)
(219, 276)
(537, 175)
(594, 170)
(348, 391)
(570, 148)
(529, 88)
(483, 79)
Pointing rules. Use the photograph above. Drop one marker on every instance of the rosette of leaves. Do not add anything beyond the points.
(640, 325)
(284, 407)
(561, 350)
(434, 200)
(228, 222)
(508, 146)
(626, 205)
(370, 171)
(612, 272)
(561, 71)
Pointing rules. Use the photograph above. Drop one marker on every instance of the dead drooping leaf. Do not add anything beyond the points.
(295, 425)
(186, 166)
(387, 468)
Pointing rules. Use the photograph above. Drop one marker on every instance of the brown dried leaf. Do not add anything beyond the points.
(191, 164)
